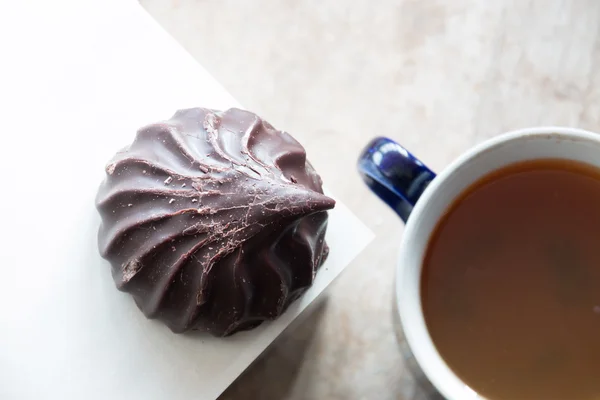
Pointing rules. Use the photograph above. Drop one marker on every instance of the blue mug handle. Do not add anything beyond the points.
(393, 174)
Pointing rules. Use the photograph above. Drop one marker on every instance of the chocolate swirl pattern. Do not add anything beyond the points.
(213, 221)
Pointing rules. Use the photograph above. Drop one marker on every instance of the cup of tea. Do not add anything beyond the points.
(497, 287)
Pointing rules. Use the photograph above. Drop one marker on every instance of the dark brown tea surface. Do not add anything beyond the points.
(511, 283)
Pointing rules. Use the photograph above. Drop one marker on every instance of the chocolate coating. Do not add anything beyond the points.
(213, 221)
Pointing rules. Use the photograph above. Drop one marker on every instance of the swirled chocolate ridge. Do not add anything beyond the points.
(213, 221)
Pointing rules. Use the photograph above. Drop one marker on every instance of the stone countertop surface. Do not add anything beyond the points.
(436, 75)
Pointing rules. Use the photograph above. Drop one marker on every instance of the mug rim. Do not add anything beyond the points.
(448, 383)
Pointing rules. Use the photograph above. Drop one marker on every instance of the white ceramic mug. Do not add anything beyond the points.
(421, 198)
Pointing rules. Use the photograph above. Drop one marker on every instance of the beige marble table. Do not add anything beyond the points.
(438, 76)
